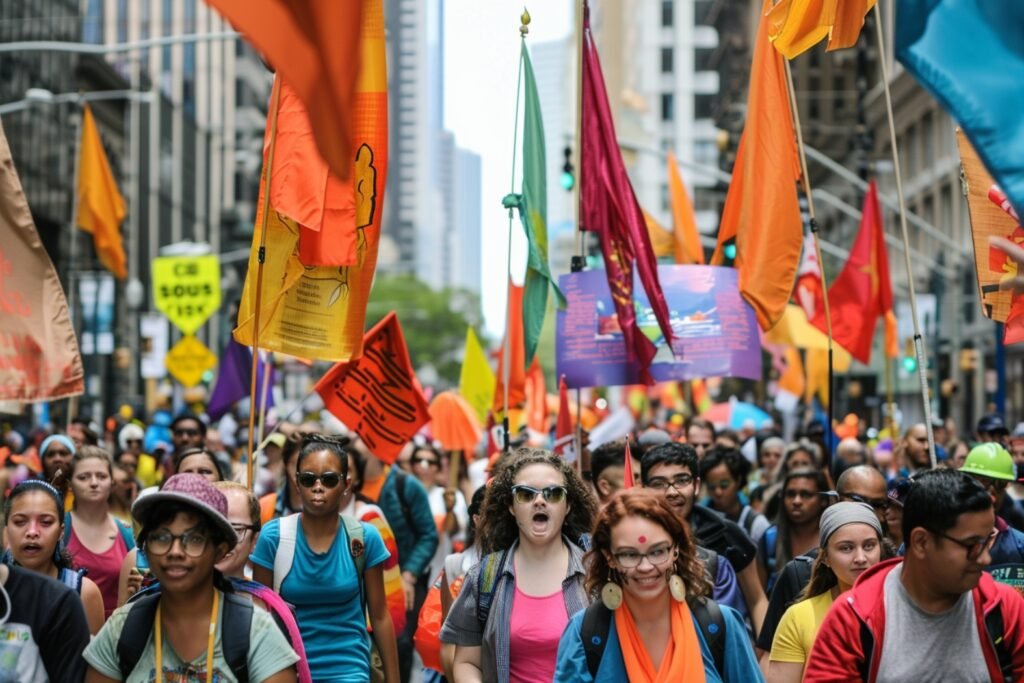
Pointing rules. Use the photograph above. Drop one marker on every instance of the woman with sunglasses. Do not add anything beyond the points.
(34, 516)
(316, 571)
(850, 542)
(651, 621)
(185, 532)
(513, 606)
(135, 572)
(449, 509)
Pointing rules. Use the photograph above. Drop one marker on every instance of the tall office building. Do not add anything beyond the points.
(465, 237)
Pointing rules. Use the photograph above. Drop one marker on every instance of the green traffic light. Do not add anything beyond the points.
(568, 181)
(730, 251)
(910, 364)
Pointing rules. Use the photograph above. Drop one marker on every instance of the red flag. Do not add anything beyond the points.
(377, 395)
(315, 46)
(762, 213)
(808, 280)
(517, 356)
(536, 404)
(862, 292)
(564, 430)
(627, 475)
(609, 208)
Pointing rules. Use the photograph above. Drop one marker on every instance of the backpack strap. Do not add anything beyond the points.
(285, 555)
(712, 626)
(67, 529)
(996, 631)
(486, 581)
(283, 617)
(400, 486)
(126, 534)
(72, 578)
(135, 633)
(597, 622)
(355, 534)
(234, 635)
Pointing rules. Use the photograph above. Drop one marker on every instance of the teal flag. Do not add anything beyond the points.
(533, 210)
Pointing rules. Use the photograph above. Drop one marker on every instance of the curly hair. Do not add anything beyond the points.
(498, 529)
(641, 502)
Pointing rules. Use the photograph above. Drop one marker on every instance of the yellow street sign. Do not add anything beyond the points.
(187, 289)
(188, 360)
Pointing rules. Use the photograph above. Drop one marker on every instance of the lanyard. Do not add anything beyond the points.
(209, 644)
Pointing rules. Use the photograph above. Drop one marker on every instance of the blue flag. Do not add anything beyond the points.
(970, 55)
(234, 380)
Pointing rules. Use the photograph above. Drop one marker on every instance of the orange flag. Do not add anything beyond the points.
(862, 293)
(314, 46)
(320, 311)
(536, 403)
(798, 25)
(101, 207)
(517, 355)
(761, 210)
(688, 249)
(39, 357)
(662, 241)
(377, 395)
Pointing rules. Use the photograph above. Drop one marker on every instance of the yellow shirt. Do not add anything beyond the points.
(798, 628)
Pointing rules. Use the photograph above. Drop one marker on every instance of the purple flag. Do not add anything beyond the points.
(609, 208)
(234, 380)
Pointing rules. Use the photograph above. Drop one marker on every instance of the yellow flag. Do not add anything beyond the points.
(792, 380)
(101, 207)
(817, 375)
(476, 381)
(661, 239)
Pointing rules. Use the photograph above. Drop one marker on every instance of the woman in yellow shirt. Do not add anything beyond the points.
(850, 541)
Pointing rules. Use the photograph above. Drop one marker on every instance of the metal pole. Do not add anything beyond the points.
(72, 254)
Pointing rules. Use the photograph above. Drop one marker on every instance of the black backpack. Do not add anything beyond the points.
(597, 621)
(234, 634)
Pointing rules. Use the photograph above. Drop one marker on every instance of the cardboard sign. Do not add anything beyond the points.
(188, 361)
(187, 289)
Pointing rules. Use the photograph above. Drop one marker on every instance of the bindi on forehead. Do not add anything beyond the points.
(641, 539)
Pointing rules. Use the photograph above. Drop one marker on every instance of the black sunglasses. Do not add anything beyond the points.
(527, 494)
(309, 479)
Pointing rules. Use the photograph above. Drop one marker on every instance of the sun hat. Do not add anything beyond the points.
(194, 491)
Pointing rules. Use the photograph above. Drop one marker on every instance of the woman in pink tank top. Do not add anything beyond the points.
(98, 542)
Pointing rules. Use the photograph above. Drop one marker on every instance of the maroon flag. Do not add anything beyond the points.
(610, 209)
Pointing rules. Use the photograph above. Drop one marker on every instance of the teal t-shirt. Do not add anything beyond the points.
(324, 590)
(269, 653)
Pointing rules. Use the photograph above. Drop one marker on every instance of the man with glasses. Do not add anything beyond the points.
(673, 469)
(933, 615)
(992, 467)
(859, 484)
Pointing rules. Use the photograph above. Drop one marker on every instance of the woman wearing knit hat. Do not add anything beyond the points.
(850, 541)
(179, 632)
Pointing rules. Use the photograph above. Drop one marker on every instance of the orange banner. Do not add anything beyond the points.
(39, 357)
(377, 395)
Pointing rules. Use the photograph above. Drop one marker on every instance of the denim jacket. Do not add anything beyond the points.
(462, 626)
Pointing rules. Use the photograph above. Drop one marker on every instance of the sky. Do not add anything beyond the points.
(481, 58)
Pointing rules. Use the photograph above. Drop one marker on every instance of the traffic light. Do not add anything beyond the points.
(729, 252)
(909, 357)
(568, 173)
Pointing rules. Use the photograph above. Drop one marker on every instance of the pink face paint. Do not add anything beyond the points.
(642, 539)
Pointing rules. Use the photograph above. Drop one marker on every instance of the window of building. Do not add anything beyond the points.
(667, 60)
(667, 13)
(668, 107)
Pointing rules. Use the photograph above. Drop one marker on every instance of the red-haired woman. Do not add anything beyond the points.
(652, 622)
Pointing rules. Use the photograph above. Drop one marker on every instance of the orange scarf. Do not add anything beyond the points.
(682, 660)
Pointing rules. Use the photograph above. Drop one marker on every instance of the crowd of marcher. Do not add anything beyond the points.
(687, 553)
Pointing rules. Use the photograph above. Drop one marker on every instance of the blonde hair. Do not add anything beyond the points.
(254, 503)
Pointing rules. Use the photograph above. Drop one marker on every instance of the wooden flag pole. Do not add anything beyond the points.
(275, 100)
(806, 181)
(451, 523)
(72, 251)
(507, 346)
(264, 393)
(918, 338)
(580, 259)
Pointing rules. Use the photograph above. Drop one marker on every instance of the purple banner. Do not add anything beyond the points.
(715, 329)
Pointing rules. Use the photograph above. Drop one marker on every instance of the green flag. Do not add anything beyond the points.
(533, 210)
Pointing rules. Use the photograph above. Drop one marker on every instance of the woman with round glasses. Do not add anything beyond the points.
(185, 532)
(513, 606)
(651, 621)
(850, 541)
(311, 559)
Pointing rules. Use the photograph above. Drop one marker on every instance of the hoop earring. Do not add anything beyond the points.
(611, 593)
(677, 588)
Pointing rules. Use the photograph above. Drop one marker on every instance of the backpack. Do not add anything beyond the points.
(597, 621)
(72, 578)
(709, 558)
(747, 519)
(767, 552)
(234, 635)
(486, 582)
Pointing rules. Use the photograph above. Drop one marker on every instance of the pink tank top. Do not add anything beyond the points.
(537, 626)
(104, 568)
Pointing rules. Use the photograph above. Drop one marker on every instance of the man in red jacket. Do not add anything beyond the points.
(946, 619)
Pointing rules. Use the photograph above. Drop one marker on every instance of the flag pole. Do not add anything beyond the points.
(806, 181)
(918, 338)
(578, 261)
(263, 398)
(261, 257)
(73, 251)
(506, 352)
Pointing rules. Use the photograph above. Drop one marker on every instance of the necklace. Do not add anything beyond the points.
(209, 643)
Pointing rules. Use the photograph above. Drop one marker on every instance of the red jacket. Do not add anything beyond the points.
(849, 643)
